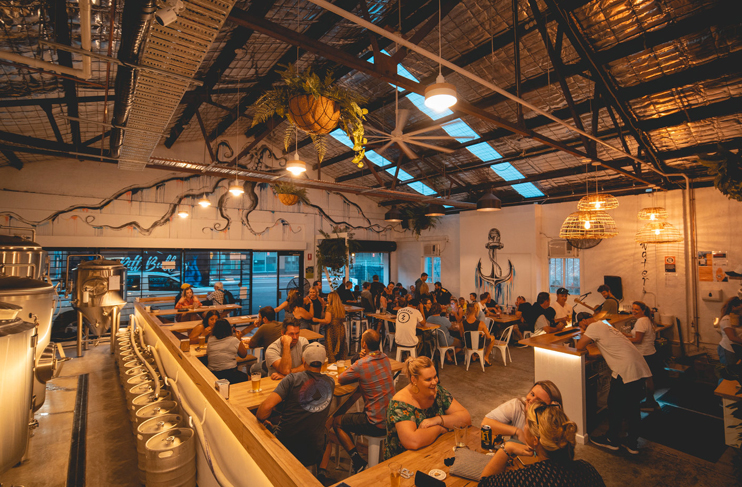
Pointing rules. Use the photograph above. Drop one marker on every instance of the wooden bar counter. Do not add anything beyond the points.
(556, 359)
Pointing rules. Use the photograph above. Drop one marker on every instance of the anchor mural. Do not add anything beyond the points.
(498, 285)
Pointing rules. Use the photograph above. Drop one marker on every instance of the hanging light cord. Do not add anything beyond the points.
(440, 49)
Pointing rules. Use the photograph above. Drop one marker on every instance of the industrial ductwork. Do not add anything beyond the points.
(135, 24)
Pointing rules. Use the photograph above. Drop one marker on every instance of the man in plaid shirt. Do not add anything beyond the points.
(373, 371)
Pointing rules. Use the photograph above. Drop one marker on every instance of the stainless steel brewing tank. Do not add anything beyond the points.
(38, 298)
(17, 347)
(22, 257)
(100, 288)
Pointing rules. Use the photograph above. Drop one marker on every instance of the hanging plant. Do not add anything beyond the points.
(290, 194)
(316, 106)
(332, 256)
(415, 220)
(726, 168)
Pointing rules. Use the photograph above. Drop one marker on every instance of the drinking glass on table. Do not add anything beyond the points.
(341, 366)
(395, 472)
(324, 366)
(460, 436)
(202, 341)
(255, 379)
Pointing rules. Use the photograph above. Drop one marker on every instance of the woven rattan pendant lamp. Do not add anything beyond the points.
(597, 202)
(582, 225)
(654, 213)
(658, 233)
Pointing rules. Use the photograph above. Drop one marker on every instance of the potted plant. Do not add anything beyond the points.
(332, 255)
(726, 168)
(415, 219)
(290, 194)
(316, 106)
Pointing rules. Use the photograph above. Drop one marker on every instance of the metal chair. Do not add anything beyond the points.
(442, 350)
(474, 341)
(389, 336)
(502, 344)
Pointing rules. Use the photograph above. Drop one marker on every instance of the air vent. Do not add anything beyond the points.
(562, 249)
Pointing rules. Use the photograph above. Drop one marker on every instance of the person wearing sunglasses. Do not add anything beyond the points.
(551, 436)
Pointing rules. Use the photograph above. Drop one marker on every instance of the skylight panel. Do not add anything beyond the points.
(484, 151)
(528, 190)
(506, 171)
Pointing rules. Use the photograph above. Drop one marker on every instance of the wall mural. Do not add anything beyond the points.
(498, 285)
(263, 159)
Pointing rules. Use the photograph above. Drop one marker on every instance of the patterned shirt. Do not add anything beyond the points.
(548, 473)
(401, 411)
(374, 374)
(217, 297)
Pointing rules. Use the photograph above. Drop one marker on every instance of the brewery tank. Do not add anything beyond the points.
(38, 299)
(100, 293)
(22, 257)
(17, 349)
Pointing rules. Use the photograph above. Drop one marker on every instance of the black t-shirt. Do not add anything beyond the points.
(345, 294)
(548, 473)
(377, 287)
(524, 309)
(317, 308)
(534, 311)
(442, 296)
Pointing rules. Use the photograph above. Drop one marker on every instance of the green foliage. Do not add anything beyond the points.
(332, 254)
(290, 188)
(416, 221)
(276, 102)
(726, 168)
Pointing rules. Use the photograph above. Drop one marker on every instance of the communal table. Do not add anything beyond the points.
(186, 326)
(200, 351)
(202, 309)
(425, 459)
(241, 394)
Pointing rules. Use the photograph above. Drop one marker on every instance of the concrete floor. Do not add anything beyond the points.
(111, 448)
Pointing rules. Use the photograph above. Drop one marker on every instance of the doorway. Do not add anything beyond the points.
(273, 275)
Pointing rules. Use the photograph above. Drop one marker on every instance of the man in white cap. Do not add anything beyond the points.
(306, 396)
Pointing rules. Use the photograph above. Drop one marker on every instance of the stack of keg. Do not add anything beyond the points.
(166, 450)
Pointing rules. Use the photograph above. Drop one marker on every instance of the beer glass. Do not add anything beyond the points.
(255, 379)
(341, 366)
(395, 472)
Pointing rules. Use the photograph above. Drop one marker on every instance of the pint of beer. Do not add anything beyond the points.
(255, 379)
(324, 366)
(202, 341)
(341, 366)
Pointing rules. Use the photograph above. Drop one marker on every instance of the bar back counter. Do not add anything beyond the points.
(582, 376)
(242, 449)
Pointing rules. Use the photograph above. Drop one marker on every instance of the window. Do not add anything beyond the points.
(432, 267)
(365, 265)
(564, 273)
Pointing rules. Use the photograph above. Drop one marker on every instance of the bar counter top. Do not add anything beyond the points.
(560, 341)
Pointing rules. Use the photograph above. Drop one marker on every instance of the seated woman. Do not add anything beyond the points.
(422, 411)
(188, 301)
(222, 351)
(509, 418)
(206, 328)
(473, 323)
(334, 322)
(551, 436)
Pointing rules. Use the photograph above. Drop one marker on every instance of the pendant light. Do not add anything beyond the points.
(597, 202)
(489, 202)
(236, 188)
(654, 213)
(434, 209)
(658, 233)
(183, 212)
(441, 95)
(393, 215)
(296, 166)
(204, 202)
(582, 225)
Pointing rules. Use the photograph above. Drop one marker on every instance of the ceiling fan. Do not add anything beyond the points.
(402, 139)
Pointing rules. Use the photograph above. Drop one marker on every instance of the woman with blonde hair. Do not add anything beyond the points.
(551, 436)
(334, 328)
(422, 411)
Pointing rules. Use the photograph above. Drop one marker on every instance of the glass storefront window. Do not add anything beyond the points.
(364, 265)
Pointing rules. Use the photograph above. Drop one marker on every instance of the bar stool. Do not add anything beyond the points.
(389, 336)
(374, 448)
(400, 349)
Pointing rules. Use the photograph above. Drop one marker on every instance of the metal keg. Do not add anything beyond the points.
(145, 400)
(170, 459)
(37, 298)
(136, 371)
(17, 349)
(138, 390)
(123, 369)
(147, 430)
(100, 293)
(23, 257)
(156, 409)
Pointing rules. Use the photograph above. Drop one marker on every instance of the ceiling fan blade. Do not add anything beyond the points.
(402, 117)
(433, 137)
(426, 129)
(375, 130)
(384, 147)
(408, 152)
(430, 146)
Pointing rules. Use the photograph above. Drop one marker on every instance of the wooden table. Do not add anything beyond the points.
(186, 326)
(503, 318)
(424, 460)
(173, 311)
(310, 335)
(730, 392)
(241, 394)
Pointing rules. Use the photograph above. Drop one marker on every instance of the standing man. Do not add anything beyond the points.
(419, 282)
(345, 291)
(317, 285)
(306, 395)
(376, 286)
(562, 309)
(284, 355)
(367, 299)
(610, 305)
(373, 372)
(629, 369)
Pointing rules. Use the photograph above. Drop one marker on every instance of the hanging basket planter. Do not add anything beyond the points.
(314, 115)
(288, 199)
